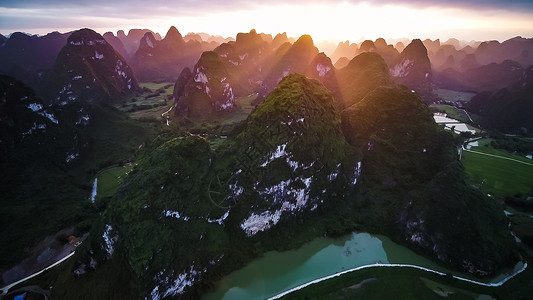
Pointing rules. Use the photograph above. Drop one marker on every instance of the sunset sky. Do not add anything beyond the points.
(323, 20)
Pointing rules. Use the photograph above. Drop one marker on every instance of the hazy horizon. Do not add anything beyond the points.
(333, 21)
(326, 46)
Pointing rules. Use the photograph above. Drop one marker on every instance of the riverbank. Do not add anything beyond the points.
(326, 258)
(497, 284)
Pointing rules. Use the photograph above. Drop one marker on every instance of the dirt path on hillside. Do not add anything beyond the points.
(47, 252)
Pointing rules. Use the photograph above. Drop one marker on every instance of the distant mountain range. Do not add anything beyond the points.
(28, 58)
(260, 60)
(253, 62)
(163, 60)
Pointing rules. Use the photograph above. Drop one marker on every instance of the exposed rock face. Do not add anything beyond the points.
(322, 70)
(413, 69)
(88, 69)
(207, 89)
(321, 66)
(303, 155)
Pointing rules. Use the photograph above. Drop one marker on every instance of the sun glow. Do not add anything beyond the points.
(356, 22)
(332, 22)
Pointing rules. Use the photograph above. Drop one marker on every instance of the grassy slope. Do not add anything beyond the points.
(110, 179)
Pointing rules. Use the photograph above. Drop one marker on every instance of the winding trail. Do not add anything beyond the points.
(6, 288)
(497, 156)
(468, 116)
(495, 284)
(166, 112)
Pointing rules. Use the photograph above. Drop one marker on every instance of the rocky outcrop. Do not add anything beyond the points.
(88, 69)
(322, 70)
(207, 89)
(413, 69)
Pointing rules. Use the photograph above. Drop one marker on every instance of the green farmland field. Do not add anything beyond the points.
(452, 112)
(110, 179)
(499, 176)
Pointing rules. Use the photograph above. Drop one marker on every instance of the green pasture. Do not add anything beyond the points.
(497, 175)
(110, 179)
